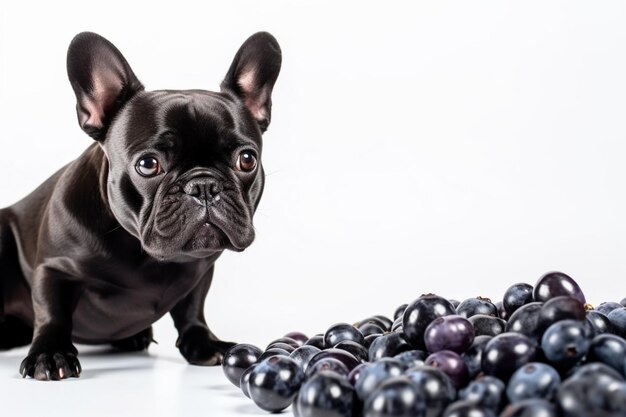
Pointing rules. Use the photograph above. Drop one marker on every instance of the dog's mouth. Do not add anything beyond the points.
(213, 233)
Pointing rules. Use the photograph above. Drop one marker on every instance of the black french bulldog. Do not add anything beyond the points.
(131, 229)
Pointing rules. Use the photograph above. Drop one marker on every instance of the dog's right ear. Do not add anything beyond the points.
(102, 81)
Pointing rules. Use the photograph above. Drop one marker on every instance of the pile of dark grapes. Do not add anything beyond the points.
(540, 352)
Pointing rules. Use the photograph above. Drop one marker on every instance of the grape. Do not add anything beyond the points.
(487, 325)
(368, 340)
(530, 408)
(453, 332)
(597, 396)
(237, 359)
(300, 338)
(533, 380)
(327, 364)
(599, 322)
(244, 382)
(420, 313)
(455, 303)
(566, 342)
(554, 284)
(516, 296)
(280, 345)
(346, 358)
(505, 353)
(387, 346)
(617, 318)
(292, 343)
(397, 396)
(560, 308)
(374, 374)
(354, 348)
(525, 320)
(473, 356)
(399, 312)
(325, 394)
(437, 387)
(608, 349)
(370, 328)
(451, 364)
(274, 383)
(411, 358)
(355, 373)
(340, 332)
(487, 391)
(273, 352)
(303, 355)
(607, 307)
(478, 305)
(317, 341)
(467, 408)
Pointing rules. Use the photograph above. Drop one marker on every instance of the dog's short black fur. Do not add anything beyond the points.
(131, 229)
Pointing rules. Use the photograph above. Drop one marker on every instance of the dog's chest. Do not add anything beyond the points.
(120, 303)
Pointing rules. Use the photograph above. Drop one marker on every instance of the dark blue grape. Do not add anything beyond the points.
(385, 320)
(327, 364)
(437, 387)
(525, 320)
(453, 332)
(411, 358)
(599, 322)
(533, 380)
(355, 373)
(487, 391)
(478, 305)
(473, 356)
(560, 308)
(530, 408)
(346, 358)
(326, 394)
(505, 353)
(595, 369)
(340, 332)
(237, 359)
(554, 284)
(451, 364)
(420, 313)
(516, 296)
(607, 307)
(467, 409)
(368, 340)
(617, 318)
(354, 348)
(566, 342)
(317, 341)
(399, 311)
(608, 349)
(397, 324)
(244, 382)
(303, 355)
(370, 328)
(274, 383)
(397, 396)
(501, 311)
(487, 325)
(387, 346)
(374, 320)
(373, 374)
(597, 396)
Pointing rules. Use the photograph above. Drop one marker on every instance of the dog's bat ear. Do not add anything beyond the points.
(253, 73)
(102, 81)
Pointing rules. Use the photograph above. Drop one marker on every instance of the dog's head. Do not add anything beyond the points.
(185, 172)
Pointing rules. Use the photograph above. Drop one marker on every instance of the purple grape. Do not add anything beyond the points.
(283, 346)
(559, 308)
(355, 373)
(437, 387)
(533, 380)
(325, 394)
(370, 328)
(346, 358)
(451, 364)
(478, 305)
(303, 355)
(237, 359)
(397, 396)
(420, 313)
(274, 383)
(317, 341)
(327, 364)
(453, 333)
(525, 320)
(374, 374)
(340, 332)
(487, 325)
(505, 353)
(300, 338)
(607, 307)
(516, 296)
(486, 391)
(473, 356)
(387, 346)
(354, 348)
(273, 352)
(554, 284)
(285, 341)
(385, 320)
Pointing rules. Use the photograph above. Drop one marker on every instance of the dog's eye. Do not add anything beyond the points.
(246, 161)
(148, 167)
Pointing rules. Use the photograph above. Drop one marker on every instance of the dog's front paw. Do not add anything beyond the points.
(196, 345)
(140, 341)
(51, 364)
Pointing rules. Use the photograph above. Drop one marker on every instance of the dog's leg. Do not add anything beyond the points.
(195, 341)
(140, 341)
(52, 354)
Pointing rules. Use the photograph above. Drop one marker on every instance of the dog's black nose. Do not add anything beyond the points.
(203, 188)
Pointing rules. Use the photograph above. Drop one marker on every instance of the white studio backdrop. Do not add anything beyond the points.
(445, 146)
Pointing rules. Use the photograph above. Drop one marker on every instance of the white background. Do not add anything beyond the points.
(442, 146)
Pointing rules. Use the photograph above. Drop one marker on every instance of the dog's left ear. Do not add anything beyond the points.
(253, 73)
(102, 81)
